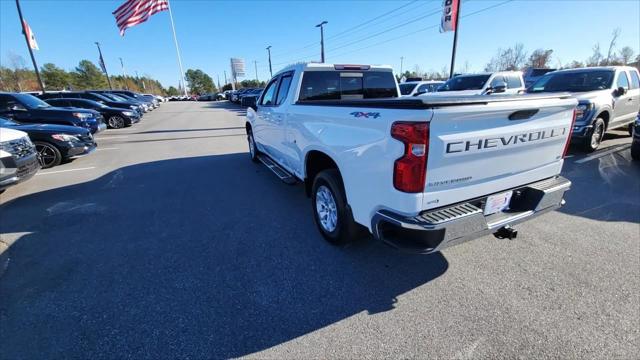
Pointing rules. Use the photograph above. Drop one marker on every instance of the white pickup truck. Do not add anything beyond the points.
(419, 173)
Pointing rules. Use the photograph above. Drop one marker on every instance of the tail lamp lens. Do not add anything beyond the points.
(410, 171)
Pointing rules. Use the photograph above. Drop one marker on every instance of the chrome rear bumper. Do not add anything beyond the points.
(434, 230)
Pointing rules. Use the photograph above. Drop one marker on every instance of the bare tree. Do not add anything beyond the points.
(18, 65)
(626, 54)
(540, 58)
(512, 58)
(612, 44)
(596, 57)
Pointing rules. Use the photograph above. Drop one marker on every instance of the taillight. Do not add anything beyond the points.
(410, 171)
(566, 145)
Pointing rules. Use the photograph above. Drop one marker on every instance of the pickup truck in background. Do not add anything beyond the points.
(608, 96)
(419, 173)
(503, 82)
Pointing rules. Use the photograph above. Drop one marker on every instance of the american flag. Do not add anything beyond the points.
(134, 12)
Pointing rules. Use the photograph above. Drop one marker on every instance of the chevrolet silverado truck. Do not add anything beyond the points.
(420, 173)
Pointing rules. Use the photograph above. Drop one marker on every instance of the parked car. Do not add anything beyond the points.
(421, 173)
(248, 99)
(531, 75)
(146, 106)
(55, 143)
(415, 88)
(609, 98)
(235, 97)
(18, 158)
(121, 103)
(503, 82)
(115, 118)
(150, 100)
(27, 108)
(635, 143)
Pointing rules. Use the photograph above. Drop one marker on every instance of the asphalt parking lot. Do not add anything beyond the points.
(168, 242)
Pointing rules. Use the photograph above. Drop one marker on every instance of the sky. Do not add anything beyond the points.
(361, 32)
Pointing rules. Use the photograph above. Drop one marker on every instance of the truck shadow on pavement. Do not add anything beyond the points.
(204, 257)
(605, 188)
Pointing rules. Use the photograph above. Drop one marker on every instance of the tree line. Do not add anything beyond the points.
(85, 76)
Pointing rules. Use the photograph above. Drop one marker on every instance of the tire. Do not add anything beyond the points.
(330, 211)
(594, 137)
(48, 155)
(253, 149)
(116, 122)
(635, 150)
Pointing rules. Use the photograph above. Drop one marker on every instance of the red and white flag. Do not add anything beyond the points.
(32, 38)
(449, 16)
(134, 12)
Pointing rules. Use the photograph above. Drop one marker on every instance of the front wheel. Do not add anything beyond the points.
(116, 122)
(594, 136)
(331, 213)
(48, 155)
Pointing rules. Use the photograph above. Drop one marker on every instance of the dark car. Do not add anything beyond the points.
(130, 96)
(27, 108)
(635, 143)
(91, 96)
(55, 143)
(114, 117)
(249, 98)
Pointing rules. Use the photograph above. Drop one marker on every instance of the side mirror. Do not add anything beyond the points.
(17, 107)
(498, 88)
(420, 93)
(620, 91)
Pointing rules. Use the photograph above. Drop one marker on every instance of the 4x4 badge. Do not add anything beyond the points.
(367, 115)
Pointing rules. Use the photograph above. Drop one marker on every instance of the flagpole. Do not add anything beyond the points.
(175, 39)
(26, 38)
(104, 66)
(455, 40)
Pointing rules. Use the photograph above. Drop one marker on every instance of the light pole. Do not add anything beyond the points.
(269, 51)
(24, 25)
(255, 63)
(401, 61)
(321, 26)
(124, 73)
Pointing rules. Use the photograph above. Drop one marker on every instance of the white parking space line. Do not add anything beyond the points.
(604, 153)
(104, 149)
(111, 137)
(63, 171)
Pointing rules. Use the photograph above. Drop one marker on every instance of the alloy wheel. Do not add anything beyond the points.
(326, 209)
(46, 155)
(116, 122)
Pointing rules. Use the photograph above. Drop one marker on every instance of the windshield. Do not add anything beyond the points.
(406, 89)
(458, 83)
(574, 81)
(31, 101)
(7, 122)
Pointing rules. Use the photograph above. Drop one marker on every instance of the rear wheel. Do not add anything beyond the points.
(594, 136)
(116, 122)
(331, 213)
(253, 150)
(48, 154)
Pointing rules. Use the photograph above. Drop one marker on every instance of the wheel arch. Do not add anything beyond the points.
(605, 115)
(316, 161)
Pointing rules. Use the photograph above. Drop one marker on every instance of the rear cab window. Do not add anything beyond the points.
(635, 79)
(347, 85)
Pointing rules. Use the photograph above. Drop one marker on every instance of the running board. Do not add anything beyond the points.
(280, 172)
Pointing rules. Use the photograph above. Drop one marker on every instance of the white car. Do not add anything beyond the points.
(419, 173)
(415, 88)
(18, 158)
(503, 82)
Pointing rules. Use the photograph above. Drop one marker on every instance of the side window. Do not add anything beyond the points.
(283, 90)
(4, 103)
(498, 80)
(635, 80)
(424, 88)
(623, 81)
(513, 82)
(269, 97)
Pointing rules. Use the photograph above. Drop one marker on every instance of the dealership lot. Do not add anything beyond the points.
(168, 242)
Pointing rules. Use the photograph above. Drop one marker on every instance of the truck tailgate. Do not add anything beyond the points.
(477, 150)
